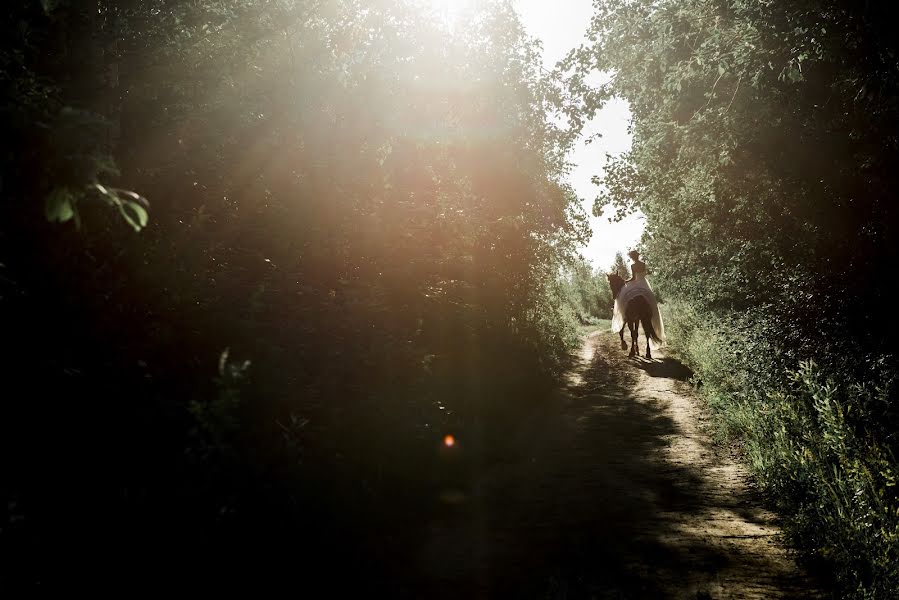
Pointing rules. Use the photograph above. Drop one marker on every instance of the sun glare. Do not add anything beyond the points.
(452, 11)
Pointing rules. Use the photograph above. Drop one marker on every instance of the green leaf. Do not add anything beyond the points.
(131, 205)
(134, 214)
(59, 205)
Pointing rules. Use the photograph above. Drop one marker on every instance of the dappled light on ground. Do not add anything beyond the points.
(610, 489)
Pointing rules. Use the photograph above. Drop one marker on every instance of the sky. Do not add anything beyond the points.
(560, 25)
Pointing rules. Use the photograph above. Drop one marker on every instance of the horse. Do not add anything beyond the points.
(636, 311)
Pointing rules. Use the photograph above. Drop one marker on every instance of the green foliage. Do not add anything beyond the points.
(62, 151)
(60, 205)
(759, 185)
(364, 201)
(761, 162)
(811, 439)
(620, 266)
(587, 293)
(852, 511)
(130, 205)
(218, 419)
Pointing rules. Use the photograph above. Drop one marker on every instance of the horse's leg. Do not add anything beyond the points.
(630, 330)
(636, 335)
(635, 349)
(648, 351)
(621, 335)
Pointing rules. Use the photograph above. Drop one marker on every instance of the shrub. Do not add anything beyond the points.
(813, 439)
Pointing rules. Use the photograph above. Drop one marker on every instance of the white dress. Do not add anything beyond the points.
(638, 286)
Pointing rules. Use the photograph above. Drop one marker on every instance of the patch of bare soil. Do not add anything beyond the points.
(610, 489)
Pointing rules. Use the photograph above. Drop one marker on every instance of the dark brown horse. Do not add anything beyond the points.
(636, 312)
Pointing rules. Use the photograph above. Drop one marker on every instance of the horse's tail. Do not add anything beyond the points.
(646, 318)
(649, 330)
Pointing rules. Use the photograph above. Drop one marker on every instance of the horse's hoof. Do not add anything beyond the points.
(649, 356)
(632, 353)
(623, 346)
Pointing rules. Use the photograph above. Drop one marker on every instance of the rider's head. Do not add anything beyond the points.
(634, 255)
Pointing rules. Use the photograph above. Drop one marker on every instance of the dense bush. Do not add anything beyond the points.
(816, 442)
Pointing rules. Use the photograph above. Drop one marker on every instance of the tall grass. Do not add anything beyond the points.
(813, 437)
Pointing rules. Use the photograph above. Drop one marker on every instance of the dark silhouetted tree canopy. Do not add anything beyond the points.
(352, 240)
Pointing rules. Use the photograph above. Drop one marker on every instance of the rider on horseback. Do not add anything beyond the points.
(636, 303)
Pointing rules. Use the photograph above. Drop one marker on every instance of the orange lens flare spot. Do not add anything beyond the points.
(449, 441)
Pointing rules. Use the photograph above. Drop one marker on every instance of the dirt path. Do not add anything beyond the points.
(609, 490)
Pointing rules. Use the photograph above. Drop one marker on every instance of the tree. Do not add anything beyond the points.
(359, 224)
(758, 155)
(764, 160)
(620, 266)
(588, 292)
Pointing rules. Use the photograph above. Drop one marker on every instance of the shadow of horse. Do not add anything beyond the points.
(667, 368)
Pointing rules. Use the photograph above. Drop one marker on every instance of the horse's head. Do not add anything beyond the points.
(616, 282)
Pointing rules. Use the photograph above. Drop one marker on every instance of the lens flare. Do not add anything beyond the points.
(449, 441)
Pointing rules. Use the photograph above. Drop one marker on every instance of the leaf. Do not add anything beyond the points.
(134, 214)
(131, 205)
(58, 207)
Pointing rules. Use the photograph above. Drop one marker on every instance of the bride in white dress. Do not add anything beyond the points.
(637, 285)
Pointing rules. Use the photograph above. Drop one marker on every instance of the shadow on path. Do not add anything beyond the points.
(667, 368)
(578, 500)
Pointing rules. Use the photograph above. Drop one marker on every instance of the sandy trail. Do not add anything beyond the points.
(612, 489)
